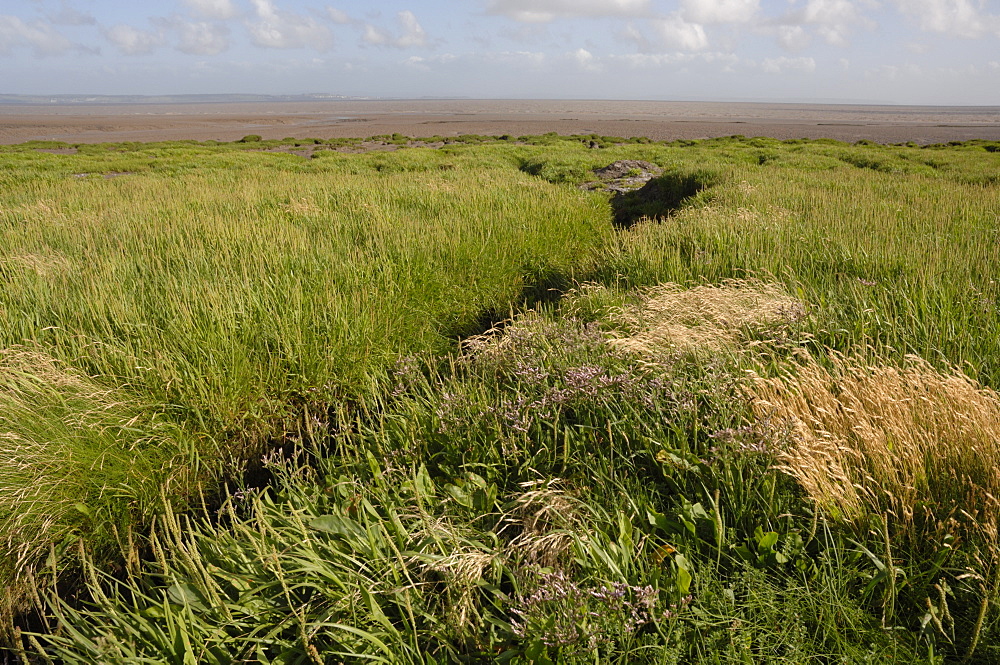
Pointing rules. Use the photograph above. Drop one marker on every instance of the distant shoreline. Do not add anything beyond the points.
(337, 118)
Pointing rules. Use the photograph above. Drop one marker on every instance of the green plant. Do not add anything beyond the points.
(174, 311)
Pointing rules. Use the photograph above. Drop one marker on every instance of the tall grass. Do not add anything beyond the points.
(544, 496)
(224, 291)
(593, 482)
(907, 263)
(223, 300)
(77, 459)
(909, 441)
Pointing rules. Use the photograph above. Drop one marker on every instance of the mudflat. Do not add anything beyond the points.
(74, 123)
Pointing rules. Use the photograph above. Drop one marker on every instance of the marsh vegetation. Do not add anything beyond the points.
(434, 405)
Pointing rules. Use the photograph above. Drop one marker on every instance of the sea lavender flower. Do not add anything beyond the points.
(761, 437)
(515, 414)
(406, 371)
(530, 373)
(451, 412)
(556, 612)
(582, 378)
(562, 614)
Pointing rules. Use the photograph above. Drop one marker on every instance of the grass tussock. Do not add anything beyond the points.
(43, 265)
(918, 444)
(705, 318)
(74, 456)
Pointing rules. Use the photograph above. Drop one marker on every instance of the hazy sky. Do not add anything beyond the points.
(901, 51)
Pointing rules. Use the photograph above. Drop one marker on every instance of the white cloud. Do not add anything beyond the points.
(585, 60)
(658, 60)
(833, 20)
(41, 37)
(71, 16)
(783, 65)
(675, 32)
(630, 33)
(417, 62)
(133, 41)
(424, 63)
(720, 11)
(213, 9)
(413, 35)
(793, 37)
(893, 72)
(202, 38)
(653, 60)
(958, 18)
(280, 29)
(542, 11)
(670, 33)
(337, 16)
(375, 36)
(518, 58)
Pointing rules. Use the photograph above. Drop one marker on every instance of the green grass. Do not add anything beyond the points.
(902, 262)
(232, 291)
(487, 510)
(209, 303)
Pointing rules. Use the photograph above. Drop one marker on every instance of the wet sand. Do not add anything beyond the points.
(332, 119)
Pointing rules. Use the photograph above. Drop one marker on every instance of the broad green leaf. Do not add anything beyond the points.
(335, 524)
(767, 541)
(683, 581)
(186, 594)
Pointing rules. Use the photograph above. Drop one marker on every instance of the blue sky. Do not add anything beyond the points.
(898, 51)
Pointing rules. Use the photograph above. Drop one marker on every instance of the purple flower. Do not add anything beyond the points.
(561, 613)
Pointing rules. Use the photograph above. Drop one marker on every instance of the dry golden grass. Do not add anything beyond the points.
(709, 317)
(911, 442)
(464, 570)
(545, 517)
(23, 370)
(302, 206)
(42, 209)
(43, 265)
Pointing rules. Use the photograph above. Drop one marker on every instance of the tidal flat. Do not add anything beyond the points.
(96, 123)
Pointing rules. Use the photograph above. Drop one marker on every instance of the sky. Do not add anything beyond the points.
(944, 52)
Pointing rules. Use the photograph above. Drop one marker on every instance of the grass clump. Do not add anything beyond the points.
(872, 439)
(708, 317)
(907, 457)
(78, 456)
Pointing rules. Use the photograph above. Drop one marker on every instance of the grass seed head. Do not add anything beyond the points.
(910, 441)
